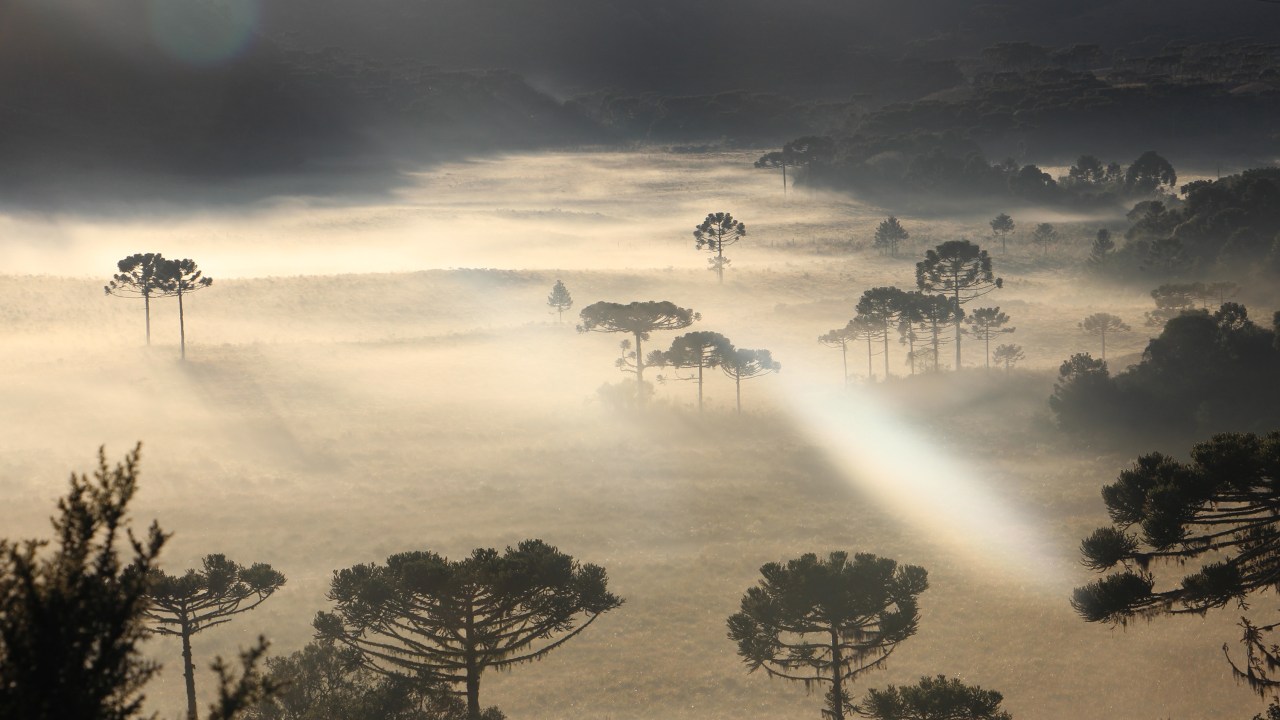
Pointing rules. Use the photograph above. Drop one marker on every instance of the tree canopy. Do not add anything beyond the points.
(960, 269)
(933, 698)
(640, 319)
(139, 276)
(716, 232)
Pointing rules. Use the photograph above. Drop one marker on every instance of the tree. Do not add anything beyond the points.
(987, 323)
(1149, 174)
(1220, 509)
(930, 313)
(840, 338)
(1083, 391)
(743, 364)
(1001, 227)
(889, 235)
(638, 318)
(717, 231)
(183, 605)
(1101, 248)
(71, 614)
(781, 159)
(178, 278)
(1171, 301)
(1102, 323)
(936, 698)
(1044, 235)
(1088, 170)
(138, 277)
(700, 349)
(423, 615)
(882, 307)
(827, 621)
(865, 328)
(560, 300)
(1008, 355)
(960, 269)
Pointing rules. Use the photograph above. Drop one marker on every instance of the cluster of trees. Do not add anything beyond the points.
(148, 275)
(1203, 373)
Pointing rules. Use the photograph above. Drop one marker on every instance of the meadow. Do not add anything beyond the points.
(373, 375)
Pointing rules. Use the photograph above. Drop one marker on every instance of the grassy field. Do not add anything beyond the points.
(323, 420)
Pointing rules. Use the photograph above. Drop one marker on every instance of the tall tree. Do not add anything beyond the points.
(1002, 226)
(827, 621)
(1045, 235)
(138, 277)
(1101, 248)
(882, 307)
(889, 235)
(1213, 520)
(1008, 355)
(1150, 174)
(71, 610)
(960, 269)
(560, 300)
(1102, 323)
(743, 364)
(986, 323)
(778, 159)
(840, 338)
(183, 605)
(701, 349)
(865, 328)
(179, 278)
(936, 698)
(638, 318)
(716, 232)
(930, 314)
(423, 615)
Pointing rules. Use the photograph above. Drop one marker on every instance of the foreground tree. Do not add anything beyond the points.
(1220, 509)
(701, 350)
(183, 605)
(743, 364)
(960, 269)
(1008, 355)
(716, 232)
(560, 300)
(423, 615)
(827, 621)
(640, 319)
(138, 277)
(889, 235)
(1102, 323)
(71, 611)
(936, 698)
(1001, 227)
(986, 323)
(179, 278)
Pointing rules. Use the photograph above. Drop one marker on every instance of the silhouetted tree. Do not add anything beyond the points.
(1001, 227)
(138, 277)
(237, 696)
(423, 615)
(1101, 248)
(779, 159)
(931, 313)
(1171, 301)
(178, 278)
(986, 323)
(743, 364)
(882, 307)
(1044, 235)
(1083, 391)
(1102, 323)
(1008, 355)
(840, 338)
(960, 269)
(700, 349)
(717, 231)
(1219, 509)
(936, 698)
(889, 235)
(1150, 173)
(183, 605)
(560, 300)
(865, 328)
(827, 621)
(638, 318)
(71, 611)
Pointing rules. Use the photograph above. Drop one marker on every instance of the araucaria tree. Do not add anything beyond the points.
(827, 621)
(1007, 355)
(639, 319)
(178, 278)
(1102, 323)
(716, 232)
(560, 300)
(743, 364)
(881, 308)
(701, 349)
(1001, 227)
(71, 611)
(936, 698)
(929, 314)
(138, 277)
(986, 323)
(1221, 509)
(889, 235)
(183, 605)
(961, 270)
(423, 615)
(1045, 235)
(840, 338)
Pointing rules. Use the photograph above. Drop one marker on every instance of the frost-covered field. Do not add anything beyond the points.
(365, 378)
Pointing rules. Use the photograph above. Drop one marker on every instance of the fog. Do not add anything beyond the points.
(368, 377)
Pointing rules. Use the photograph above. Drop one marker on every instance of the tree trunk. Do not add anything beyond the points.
(473, 666)
(886, 350)
(911, 349)
(639, 372)
(837, 689)
(1104, 345)
(844, 361)
(870, 375)
(937, 331)
(699, 387)
(784, 177)
(957, 302)
(188, 671)
(987, 334)
(182, 328)
(720, 260)
(737, 388)
(146, 304)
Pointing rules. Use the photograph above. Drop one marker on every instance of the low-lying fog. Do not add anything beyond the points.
(365, 378)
